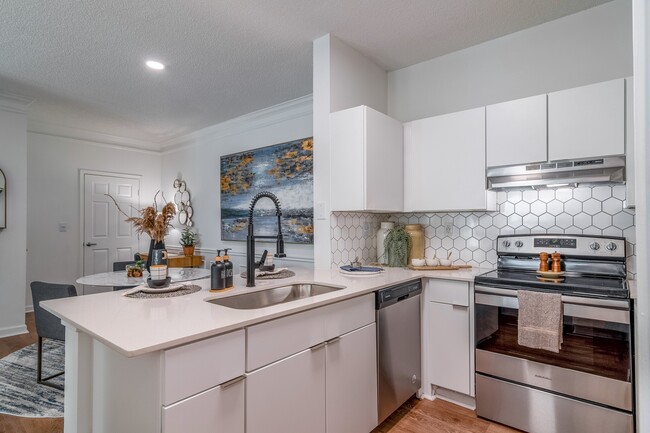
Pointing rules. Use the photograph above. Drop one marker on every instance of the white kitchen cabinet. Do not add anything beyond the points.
(351, 382)
(217, 410)
(587, 121)
(366, 149)
(444, 163)
(516, 132)
(447, 336)
(288, 395)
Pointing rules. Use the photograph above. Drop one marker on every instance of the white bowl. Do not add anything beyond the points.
(433, 261)
(445, 262)
(418, 262)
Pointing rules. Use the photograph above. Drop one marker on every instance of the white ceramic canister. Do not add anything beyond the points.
(384, 228)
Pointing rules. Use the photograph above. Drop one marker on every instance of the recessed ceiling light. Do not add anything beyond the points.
(155, 65)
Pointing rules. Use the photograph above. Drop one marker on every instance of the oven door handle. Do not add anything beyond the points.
(594, 311)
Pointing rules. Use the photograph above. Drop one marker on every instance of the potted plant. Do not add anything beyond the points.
(188, 240)
(396, 246)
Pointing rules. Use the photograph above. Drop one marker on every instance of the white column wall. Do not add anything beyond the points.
(343, 78)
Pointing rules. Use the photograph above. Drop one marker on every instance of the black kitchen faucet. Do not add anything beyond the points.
(250, 238)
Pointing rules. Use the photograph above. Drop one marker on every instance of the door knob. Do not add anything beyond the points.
(90, 244)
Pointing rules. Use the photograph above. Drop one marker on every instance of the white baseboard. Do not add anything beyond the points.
(29, 308)
(454, 397)
(10, 331)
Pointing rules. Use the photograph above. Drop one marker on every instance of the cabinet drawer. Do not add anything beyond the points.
(196, 367)
(217, 410)
(346, 316)
(448, 292)
(271, 341)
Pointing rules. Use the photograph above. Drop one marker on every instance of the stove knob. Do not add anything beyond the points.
(519, 244)
(506, 244)
(611, 246)
(594, 246)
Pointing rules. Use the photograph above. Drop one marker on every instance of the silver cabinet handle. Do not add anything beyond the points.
(91, 244)
(233, 381)
(318, 346)
(333, 340)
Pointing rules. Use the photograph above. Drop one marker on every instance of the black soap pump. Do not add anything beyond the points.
(228, 268)
(217, 274)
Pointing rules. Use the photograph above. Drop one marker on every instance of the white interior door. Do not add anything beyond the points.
(108, 237)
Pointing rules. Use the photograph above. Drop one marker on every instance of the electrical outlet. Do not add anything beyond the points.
(449, 227)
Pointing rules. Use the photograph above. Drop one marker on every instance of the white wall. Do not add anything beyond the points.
(587, 47)
(642, 161)
(196, 160)
(53, 165)
(13, 162)
(343, 78)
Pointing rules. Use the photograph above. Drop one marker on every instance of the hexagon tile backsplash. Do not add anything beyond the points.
(594, 210)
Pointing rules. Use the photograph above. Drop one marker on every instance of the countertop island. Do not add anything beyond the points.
(134, 327)
(170, 365)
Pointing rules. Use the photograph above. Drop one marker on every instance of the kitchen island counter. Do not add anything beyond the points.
(133, 326)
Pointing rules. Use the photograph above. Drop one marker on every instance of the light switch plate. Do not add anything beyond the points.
(63, 227)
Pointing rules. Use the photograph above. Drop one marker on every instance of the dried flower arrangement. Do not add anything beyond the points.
(151, 221)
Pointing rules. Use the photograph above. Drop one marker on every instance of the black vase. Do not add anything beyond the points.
(153, 246)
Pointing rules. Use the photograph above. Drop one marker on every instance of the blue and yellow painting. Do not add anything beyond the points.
(284, 169)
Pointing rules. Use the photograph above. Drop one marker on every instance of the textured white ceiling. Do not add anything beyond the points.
(83, 61)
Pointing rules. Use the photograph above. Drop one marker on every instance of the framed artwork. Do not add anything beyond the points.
(286, 170)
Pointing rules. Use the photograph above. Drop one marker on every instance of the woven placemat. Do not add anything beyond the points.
(182, 291)
(282, 274)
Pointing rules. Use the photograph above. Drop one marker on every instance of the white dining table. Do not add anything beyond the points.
(119, 278)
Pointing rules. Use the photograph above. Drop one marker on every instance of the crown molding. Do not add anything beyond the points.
(14, 103)
(95, 138)
(288, 110)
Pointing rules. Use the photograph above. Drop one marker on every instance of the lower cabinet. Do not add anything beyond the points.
(288, 396)
(328, 388)
(448, 336)
(351, 382)
(217, 410)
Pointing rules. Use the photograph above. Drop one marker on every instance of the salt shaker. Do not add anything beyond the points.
(556, 265)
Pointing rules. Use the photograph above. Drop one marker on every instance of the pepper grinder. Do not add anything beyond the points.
(543, 261)
(556, 265)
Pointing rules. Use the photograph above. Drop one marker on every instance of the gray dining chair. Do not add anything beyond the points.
(47, 324)
(121, 266)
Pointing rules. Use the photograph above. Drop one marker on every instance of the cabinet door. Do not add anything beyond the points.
(351, 384)
(366, 161)
(516, 132)
(444, 163)
(288, 396)
(449, 346)
(217, 410)
(587, 121)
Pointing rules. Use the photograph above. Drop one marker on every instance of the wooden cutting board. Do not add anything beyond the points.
(439, 268)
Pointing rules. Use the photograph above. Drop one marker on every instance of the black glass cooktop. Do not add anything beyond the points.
(600, 287)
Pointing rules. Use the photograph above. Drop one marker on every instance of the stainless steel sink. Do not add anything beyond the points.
(275, 296)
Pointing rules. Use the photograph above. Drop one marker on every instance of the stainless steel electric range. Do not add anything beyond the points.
(588, 386)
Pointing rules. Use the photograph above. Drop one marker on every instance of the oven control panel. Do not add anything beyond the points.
(568, 245)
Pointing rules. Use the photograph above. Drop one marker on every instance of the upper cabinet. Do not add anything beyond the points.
(366, 161)
(444, 163)
(516, 132)
(587, 121)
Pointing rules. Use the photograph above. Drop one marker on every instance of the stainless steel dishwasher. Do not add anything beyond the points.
(398, 346)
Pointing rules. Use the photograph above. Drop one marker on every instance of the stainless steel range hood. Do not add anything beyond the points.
(555, 174)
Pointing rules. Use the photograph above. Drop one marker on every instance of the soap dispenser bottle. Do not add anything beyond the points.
(227, 264)
(217, 273)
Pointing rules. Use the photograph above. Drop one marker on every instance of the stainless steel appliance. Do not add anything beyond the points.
(588, 386)
(398, 346)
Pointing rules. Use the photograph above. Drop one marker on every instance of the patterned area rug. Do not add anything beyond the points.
(20, 395)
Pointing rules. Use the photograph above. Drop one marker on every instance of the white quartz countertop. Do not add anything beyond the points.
(135, 326)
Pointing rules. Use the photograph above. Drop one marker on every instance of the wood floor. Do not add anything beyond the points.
(415, 416)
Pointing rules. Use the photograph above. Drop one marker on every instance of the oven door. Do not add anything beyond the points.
(594, 363)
